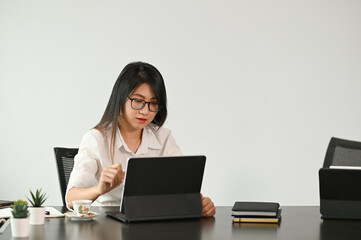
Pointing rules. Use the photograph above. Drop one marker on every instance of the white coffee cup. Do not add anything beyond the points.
(81, 207)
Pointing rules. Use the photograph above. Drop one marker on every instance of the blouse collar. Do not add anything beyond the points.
(149, 140)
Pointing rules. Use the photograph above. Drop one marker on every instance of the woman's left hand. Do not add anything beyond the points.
(208, 209)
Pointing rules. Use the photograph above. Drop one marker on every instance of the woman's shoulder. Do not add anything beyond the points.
(95, 134)
(166, 140)
(94, 139)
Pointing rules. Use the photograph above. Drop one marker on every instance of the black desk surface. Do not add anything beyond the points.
(297, 223)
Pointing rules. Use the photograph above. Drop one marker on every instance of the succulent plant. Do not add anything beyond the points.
(38, 198)
(20, 209)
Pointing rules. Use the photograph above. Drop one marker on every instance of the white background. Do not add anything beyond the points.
(259, 87)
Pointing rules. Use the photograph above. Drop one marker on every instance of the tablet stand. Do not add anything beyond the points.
(163, 206)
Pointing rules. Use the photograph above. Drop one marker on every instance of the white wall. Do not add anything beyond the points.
(259, 87)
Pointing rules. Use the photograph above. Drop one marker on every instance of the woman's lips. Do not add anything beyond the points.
(141, 120)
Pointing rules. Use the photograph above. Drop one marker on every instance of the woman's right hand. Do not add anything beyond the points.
(111, 177)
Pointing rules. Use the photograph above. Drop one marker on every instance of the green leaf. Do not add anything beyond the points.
(38, 198)
(30, 201)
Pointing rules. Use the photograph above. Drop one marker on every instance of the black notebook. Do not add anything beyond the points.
(265, 209)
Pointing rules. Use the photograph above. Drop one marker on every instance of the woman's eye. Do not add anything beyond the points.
(138, 100)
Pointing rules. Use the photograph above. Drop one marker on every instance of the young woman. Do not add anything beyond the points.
(131, 126)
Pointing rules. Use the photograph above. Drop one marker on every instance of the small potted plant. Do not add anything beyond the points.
(20, 219)
(37, 211)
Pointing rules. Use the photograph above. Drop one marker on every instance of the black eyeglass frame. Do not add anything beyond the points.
(144, 103)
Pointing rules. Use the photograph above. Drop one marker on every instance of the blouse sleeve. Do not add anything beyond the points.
(85, 164)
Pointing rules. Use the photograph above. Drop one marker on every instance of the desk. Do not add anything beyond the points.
(302, 223)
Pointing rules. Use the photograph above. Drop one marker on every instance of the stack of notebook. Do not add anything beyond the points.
(256, 212)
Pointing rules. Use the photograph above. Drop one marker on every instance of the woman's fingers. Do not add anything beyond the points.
(209, 213)
(208, 208)
(109, 178)
(206, 205)
(113, 175)
(117, 167)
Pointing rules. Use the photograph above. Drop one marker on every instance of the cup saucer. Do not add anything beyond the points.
(88, 216)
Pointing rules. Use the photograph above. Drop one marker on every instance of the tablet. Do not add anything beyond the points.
(158, 188)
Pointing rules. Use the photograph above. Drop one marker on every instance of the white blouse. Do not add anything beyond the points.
(94, 156)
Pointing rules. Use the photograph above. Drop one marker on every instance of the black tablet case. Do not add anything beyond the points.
(340, 193)
(162, 188)
(269, 207)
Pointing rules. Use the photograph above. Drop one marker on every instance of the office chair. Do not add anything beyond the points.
(341, 152)
(65, 162)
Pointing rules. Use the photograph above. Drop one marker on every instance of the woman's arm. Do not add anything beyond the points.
(111, 177)
(77, 193)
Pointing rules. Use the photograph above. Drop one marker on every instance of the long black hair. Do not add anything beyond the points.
(131, 77)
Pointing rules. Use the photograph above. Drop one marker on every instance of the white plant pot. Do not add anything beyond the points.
(37, 215)
(20, 227)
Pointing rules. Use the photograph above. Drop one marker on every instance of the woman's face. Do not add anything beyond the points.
(137, 119)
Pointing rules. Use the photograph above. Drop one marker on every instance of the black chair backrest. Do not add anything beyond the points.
(341, 152)
(65, 162)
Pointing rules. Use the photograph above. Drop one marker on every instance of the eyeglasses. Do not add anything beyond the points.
(138, 104)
